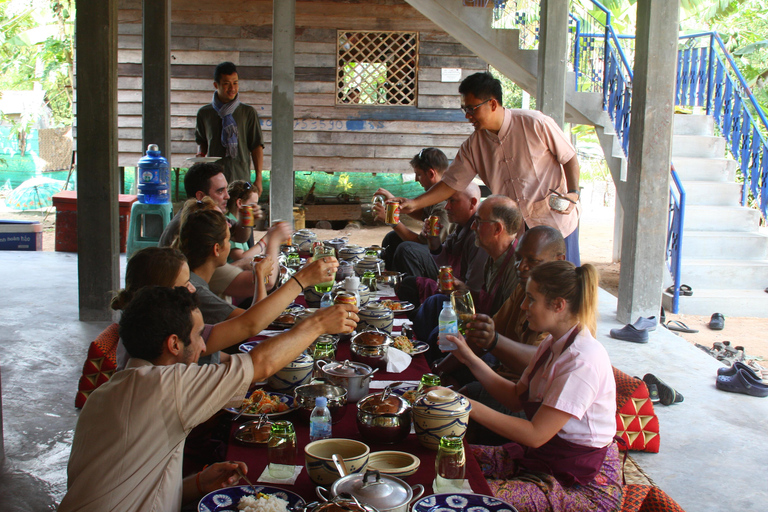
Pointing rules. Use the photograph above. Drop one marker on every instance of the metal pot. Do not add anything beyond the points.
(354, 377)
(384, 418)
(305, 399)
(386, 493)
(342, 503)
(370, 347)
(390, 278)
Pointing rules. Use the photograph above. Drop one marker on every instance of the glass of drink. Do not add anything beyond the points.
(450, 465)
(321, 251)
(464, 307)
(281, 450)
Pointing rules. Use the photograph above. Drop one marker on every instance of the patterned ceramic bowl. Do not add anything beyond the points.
(440, 413)
(320, 466)
(303, 239)
(295, 374)
(377, 316)
(351, 253)
(369, 263)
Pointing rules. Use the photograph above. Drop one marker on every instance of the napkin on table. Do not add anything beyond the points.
(265, 477)
(397, 360)
(464, 487)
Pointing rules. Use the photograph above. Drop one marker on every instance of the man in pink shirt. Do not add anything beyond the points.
(522, 154)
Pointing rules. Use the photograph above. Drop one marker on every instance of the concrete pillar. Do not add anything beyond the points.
(650, 149)
(553, 59)
(97, 177)
(283, 77)
(156, 68)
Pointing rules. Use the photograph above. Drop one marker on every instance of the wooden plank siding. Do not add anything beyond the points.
(348, 138)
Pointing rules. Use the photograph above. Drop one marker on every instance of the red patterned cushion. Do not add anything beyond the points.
(636, 422)
(100, 364)
(646, 498)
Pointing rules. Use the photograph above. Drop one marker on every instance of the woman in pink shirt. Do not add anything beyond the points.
(562, 457)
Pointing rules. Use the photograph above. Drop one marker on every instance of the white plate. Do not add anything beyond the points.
(286, 399)
(406, 306)
(419, 347)
(203, 159)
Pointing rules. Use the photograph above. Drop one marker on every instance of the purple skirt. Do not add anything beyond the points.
(539, 492)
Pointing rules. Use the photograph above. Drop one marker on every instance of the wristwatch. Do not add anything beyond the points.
(577, 192)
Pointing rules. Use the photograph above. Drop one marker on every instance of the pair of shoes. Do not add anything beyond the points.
(630, 333)
(667, 394)
(743, 382)
(717, 322)
(685, 290)
(736, 367)
(678, 326)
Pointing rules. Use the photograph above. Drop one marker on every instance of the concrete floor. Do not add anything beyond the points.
(713, 445)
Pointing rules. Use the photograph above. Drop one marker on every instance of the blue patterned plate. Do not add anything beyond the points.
(286, 399)
(461, 501)
(226, 500)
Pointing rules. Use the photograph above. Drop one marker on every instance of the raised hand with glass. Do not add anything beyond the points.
(464, 307)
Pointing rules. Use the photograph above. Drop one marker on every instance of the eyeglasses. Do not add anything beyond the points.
(471, 110)
(480, 221)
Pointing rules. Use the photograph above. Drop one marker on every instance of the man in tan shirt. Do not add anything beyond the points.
(128, 444)
(521, 154)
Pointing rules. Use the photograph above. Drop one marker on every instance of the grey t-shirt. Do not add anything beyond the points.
(213, 308)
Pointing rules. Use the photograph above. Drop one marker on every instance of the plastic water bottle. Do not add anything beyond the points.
(448, 324)
(153, 177)
(326, 300)
(320, 420)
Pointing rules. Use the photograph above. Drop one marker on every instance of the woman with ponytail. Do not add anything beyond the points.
(562, 457)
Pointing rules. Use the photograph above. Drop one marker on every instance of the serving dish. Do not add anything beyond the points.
(461, 501)
(287, 400)
(226, 500)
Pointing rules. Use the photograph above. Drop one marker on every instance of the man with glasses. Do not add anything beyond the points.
(406, 247)
(521, 154)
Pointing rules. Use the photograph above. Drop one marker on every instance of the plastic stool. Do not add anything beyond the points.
(148, 221)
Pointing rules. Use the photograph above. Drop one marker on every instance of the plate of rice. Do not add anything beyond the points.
(243, 499)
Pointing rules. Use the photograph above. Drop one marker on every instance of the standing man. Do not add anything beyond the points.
(521, 154)
(229, 129)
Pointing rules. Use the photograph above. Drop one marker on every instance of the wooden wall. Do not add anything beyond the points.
(328, 137)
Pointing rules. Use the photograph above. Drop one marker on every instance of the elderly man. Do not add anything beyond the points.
(496, 225)
(127, 450)
(458, 251)
(230, 129)
(506, 336)
(408, 247)
(522, 154)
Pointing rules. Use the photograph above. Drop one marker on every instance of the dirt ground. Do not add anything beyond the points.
(596, 243)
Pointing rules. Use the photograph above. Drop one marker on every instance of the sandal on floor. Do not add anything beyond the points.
(678, 326)
(685, 290)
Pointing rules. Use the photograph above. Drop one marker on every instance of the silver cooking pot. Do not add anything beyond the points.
(385, 493)
(354, 377)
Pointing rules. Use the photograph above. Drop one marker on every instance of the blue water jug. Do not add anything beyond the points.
(153, 177)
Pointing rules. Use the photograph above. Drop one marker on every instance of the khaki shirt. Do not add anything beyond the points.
(129, 441)
(522, 162)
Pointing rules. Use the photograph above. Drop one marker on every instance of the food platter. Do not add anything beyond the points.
(227, 499)
(404, 305)
(461, 501)
(286, 399)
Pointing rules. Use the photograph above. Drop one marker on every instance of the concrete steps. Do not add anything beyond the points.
(725, 274)
(729, 302)
(704, 217)
(705, 169)
(724, 245)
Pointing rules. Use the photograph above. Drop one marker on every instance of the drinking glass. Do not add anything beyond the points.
(321, 251)
(281, 450)
(464, 307)
(450, 465)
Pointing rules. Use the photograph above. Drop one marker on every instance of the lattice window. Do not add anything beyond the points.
(377, 68)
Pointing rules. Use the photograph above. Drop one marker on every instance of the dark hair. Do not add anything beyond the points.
(198, 177)
(225, 68)
(238, 189)
(482, 86)
(430, 158)
(550, 238)
(577, 285)
(151, 266)
(504, 210)
(200, 231)
(155, 313)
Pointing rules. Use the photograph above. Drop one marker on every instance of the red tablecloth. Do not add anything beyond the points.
(256, 457)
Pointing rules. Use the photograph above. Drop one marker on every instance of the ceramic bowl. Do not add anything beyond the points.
(369, 263)
(345, 270)
(398, 464)
(377, 316)
(439, 413)
(295, 374)
(558, 203)
(312, 297)
(303, 240)
(351, 253)
(320, 466)
(336, 244)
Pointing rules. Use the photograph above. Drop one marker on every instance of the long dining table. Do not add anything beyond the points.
(255, 456)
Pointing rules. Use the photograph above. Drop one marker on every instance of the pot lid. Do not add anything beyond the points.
(375, 489)
(442, 402)
(347, 369)
(377, 404)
